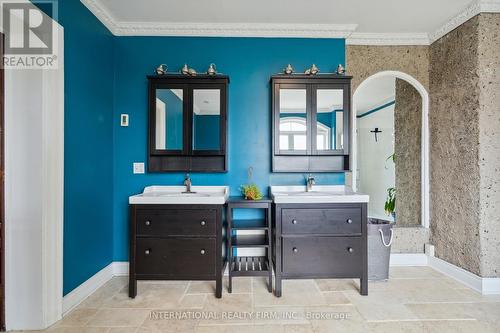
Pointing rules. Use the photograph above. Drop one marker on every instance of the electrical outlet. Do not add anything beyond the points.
(138, 167)
(124, 120)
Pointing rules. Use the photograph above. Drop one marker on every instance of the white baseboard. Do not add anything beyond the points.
(408, 259)
(486, 286)
(120, 268)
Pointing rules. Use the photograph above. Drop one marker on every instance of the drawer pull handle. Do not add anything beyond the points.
(295, 250)
(294, 221)
(349, 221)
(203, 222)
(148, 222)
(202, 251)
(147, 252)
(350, 250)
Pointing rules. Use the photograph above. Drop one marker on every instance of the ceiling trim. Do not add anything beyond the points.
(366, 38)
(235, 29)
(480, 6)
(346, 31)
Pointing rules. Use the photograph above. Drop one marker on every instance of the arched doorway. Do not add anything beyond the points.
(424, 172)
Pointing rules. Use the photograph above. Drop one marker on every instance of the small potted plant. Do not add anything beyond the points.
(390, 202)
(250, 191)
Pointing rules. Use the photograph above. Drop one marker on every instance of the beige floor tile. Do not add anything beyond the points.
(335, 297)
(78, 317)
(122, 330)
(396, 327)
(414, 273)
(149, 296)
(380, 306)
(440, 311)
(193, 301)
(230, 309)
(280, 315)
(68, 329)
(240, 285)
(298, 328)
(241, 329)
(201, 287)
(290, 298)
(459, 326)
(336, 319)
(119, 318)
(168, 323)
(338, 284)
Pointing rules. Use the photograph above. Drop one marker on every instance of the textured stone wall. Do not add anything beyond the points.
(362, 61)
(409, 239)
(408, 143)
(489, 142)
(454, 147)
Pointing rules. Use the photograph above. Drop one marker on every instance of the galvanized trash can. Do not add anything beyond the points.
(379, 248)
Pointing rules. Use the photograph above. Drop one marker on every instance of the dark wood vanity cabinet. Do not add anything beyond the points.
(320, 241)
(187, 123)
(177, 242)
(311, 122)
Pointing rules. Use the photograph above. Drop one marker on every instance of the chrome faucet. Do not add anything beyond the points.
(309, 183)
(188, 183)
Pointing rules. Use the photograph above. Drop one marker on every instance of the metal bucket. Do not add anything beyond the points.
(379, 248)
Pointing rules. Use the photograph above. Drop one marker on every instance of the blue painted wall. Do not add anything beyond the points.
(88, 144)
(249, 62)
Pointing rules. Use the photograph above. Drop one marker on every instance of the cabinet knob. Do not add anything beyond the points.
(349, 221)
(294, 221)
(148, 222)
(202, 251)
(295, 250)
(350, 250)
(203, 222)
(147, 252)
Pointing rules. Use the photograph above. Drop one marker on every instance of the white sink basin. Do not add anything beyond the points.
(319, 194)
(206, 195)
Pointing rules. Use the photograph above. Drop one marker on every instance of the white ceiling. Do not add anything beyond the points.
(376, 93)
(397, 20)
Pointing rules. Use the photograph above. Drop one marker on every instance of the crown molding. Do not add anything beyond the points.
(235, 29)
(346, 31)
(480, 6)
(368, 38)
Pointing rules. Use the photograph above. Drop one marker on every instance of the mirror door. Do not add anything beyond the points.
(293, 120)
(207, 117)
(329, 121)
(168, 120)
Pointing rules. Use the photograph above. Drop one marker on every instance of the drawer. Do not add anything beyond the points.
(323, 256)
(176, 222)
(340, 221)
(176, 256)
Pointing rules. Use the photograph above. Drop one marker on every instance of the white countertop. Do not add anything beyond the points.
(319, 194)
(205, 195)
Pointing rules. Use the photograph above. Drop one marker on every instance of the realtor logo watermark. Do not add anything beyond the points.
(31, 34)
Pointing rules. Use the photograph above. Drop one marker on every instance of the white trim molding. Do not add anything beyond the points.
(486, 286)
(368, 38)
(80, 293)
(480, 6)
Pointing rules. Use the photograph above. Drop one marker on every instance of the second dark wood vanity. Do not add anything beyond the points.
(327, 240)
(176, 242)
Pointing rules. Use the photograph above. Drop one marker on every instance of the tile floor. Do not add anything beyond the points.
(415, 299)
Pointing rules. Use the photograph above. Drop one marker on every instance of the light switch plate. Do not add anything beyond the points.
(124, 120)
(138, 167)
